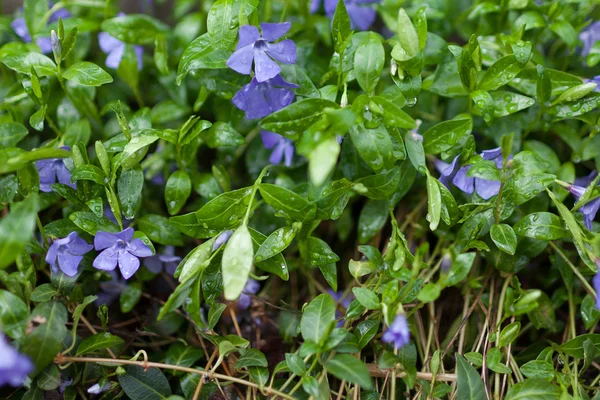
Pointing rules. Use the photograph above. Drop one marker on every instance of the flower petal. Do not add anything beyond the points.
(288, 152)
(153, 264)
(52, 254)
(115, 56)
(248, 35)
(264, 67)
(277, 154)
(108, 43)
(69, 263)
(461, 181)
(103, 240)
(44, 44)
(126, 234)
(107, 260)
(270, 139)
(273, 31)
(78, 246)
(128, 264)
(278, 98)
(138, 248)
(241, 60)
(486, 188)
(284, 51)
(361, 18)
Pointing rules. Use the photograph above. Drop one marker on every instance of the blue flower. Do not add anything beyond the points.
(167, 258)
(589, 209)
(251, 287)
(52, 169)
(398, 333)
(259, 99)
(260, 49)
(484, 188)
(361, 16)
(222, 239)
(67, 253)
(115, 49)
(44, 43)
(120, 249)
(589, 36)
(283, 148)
(110, 290)
(14, 366)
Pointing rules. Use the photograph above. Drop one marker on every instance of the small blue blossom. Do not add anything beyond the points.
(52, 170)
(167, 258)
(283, 148)
(361, 15)
(251, 287)
(260, 49)
(222, 239)
(67, 253)
(589, 36)
(120, 249)
(14, 366)
(19, 26)
(259, 99)
(398, 334)
(110, 290)
(589, 209)
(115, 49)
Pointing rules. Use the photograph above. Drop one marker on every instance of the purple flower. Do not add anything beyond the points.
(97, 389)
(595, 80)
(14, 366)
(222, 239)
(484, 188)
(589, 209)
(116, 48)
(20, 27)
(589, 36)
(110, 290)
(51, 170)
(167, 258)
(398, 333)
(120, 248)
(252, 287)
(67, 253)
(282, 147)
(361, 17)
(259, 99)
(260, 49)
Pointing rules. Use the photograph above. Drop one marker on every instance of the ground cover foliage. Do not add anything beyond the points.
(247, 199)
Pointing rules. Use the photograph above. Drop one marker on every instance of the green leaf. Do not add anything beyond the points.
(407, 35)
(504, 237)
(340, 27)
(11, 133)
(276, 242)
(541, 225)
(18, 59)
(506, 103)
(252, 358)
(469, 383)
(91, 223)
(88, 172)
(237, 262)
(177, 191)
(350, 369)
(183, 355)
(538, 369)
(134, 28)
(221, 213)
(15, 159)
(273, 265)
(45, 292)
(576, 92)
(160, 230)
(374, 146)
(98, 341)
(322, 160)
(537, 389)
(282, 199)
(575, 108)
(17, 228)
(141, 384)
(371, 220)
(222, 134)
(445, 135)
(294, 119)
(500, 73)
(393, 114)
(129, 186)
(201, 54)
(430, 292)
(434, 202)
(13, 315)
(509, 333)
(223, 19)
(45, 341)
(317, 252)
(575, 347)
(318, 319)
(87, 74)
(368, 62)
(366, 298)
(379, 186)
(33, 12)
(130, 297)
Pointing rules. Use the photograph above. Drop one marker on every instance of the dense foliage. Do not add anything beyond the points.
(300, 199)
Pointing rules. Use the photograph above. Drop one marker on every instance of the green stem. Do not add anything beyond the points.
(585, 283)
(44, 20)
(254, 189)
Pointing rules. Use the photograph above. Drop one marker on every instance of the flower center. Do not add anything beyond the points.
(121, 244)
(260, 44)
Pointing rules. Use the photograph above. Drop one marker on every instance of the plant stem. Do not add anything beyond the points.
(211, 375)
(585, 283)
